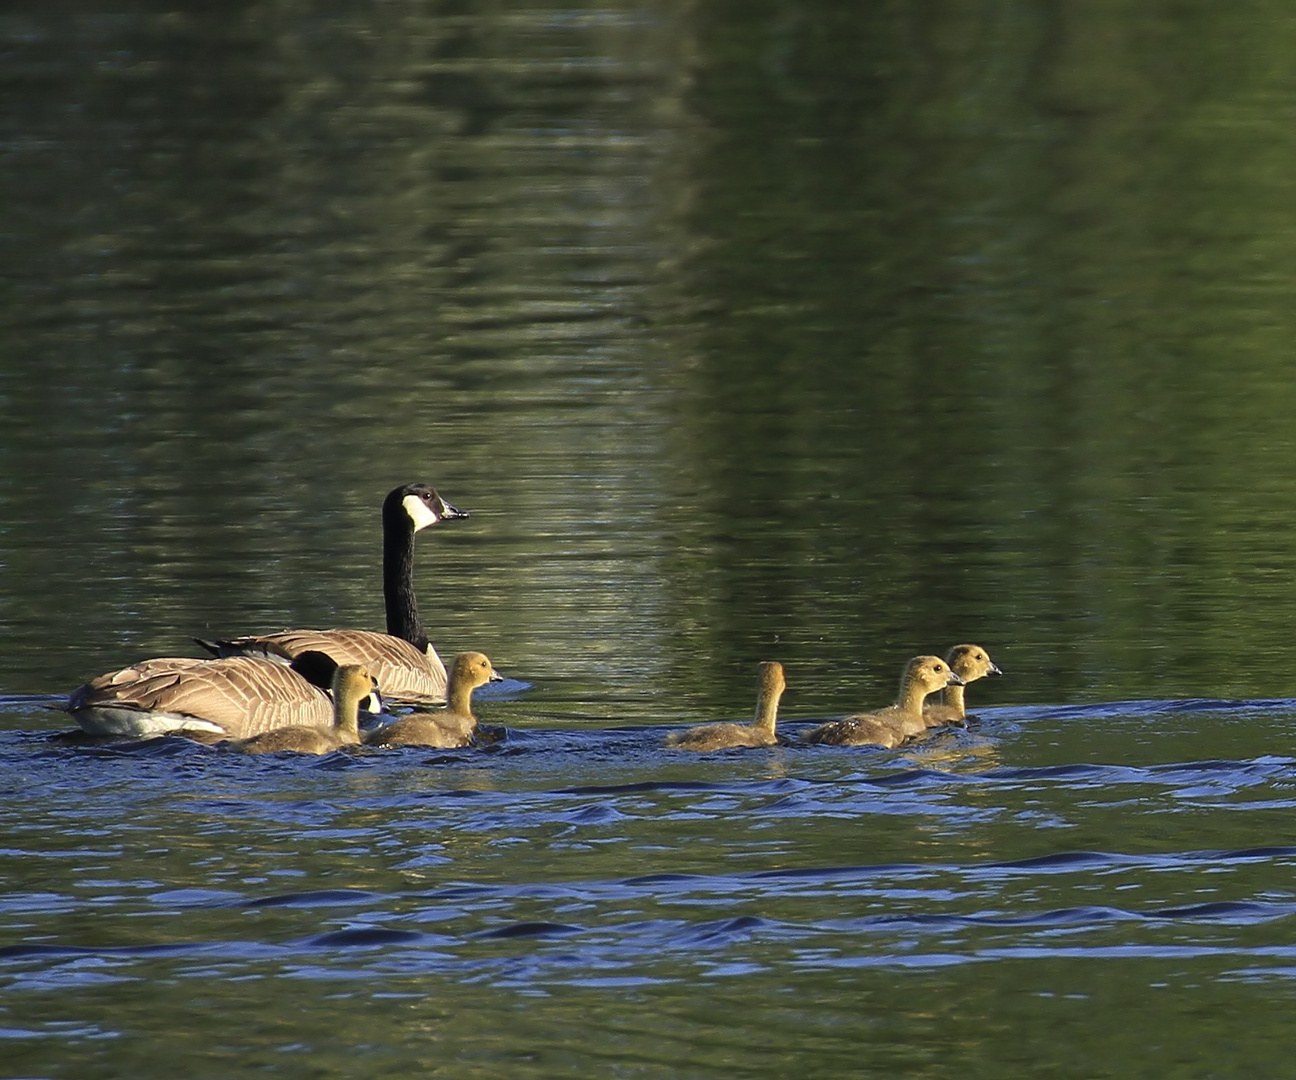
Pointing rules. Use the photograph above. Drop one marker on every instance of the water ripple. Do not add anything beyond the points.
(599, 859)
(314, 898)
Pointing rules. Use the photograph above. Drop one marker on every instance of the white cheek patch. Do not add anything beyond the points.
(420, 513)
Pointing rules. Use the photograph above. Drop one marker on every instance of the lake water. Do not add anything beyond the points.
(763, 331)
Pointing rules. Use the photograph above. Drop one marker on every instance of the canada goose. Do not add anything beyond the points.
(969, 663)
(758, 733)
(454, 725)
(890, 727)
(352, 683)
(403, 661)
(235, 697)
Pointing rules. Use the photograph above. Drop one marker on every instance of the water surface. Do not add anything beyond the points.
(571, 901)
(753, 331)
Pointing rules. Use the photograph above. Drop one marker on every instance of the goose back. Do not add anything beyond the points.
(237, 697)
(404, 674)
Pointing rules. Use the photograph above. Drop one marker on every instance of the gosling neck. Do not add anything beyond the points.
(954, 699)
(767, 704)
(459, 697)
(346, 712)
(912, 695)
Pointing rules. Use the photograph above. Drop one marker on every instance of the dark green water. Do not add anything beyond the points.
(822, 332)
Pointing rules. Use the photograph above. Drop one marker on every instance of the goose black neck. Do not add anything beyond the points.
(398, 577)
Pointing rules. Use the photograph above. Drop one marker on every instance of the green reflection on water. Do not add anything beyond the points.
(829, 338)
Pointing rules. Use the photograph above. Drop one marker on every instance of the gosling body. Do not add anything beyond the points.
(969, 662)
(890, 727)
(352, 684)
(728, 736)
(451, 727)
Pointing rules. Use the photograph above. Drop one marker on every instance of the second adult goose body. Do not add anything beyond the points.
(403, 661)
(453, 726)
(758, 733)
(235, 697)
(969, 662)
(891, 726)
(351, 685)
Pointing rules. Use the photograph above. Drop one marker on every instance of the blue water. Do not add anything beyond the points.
(167, 898)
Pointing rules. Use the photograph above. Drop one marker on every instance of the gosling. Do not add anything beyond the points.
(758, 733)
(352, 684)
(453, 726)
(891, 726)
(969, 662)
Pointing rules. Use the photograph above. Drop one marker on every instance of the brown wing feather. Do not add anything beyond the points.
(403, 673)
(242, 694)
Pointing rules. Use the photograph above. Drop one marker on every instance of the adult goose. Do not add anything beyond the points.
(450, 727)
(969, 663)
(234, 697)
(403, 661)
(352, 684)
(890, 727)
(727, 736)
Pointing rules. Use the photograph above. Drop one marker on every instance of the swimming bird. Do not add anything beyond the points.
(351, 685)
(234, 697)
(452, 726)
(758, 733)
(969, 662)
(890, 727)
(403, 661)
